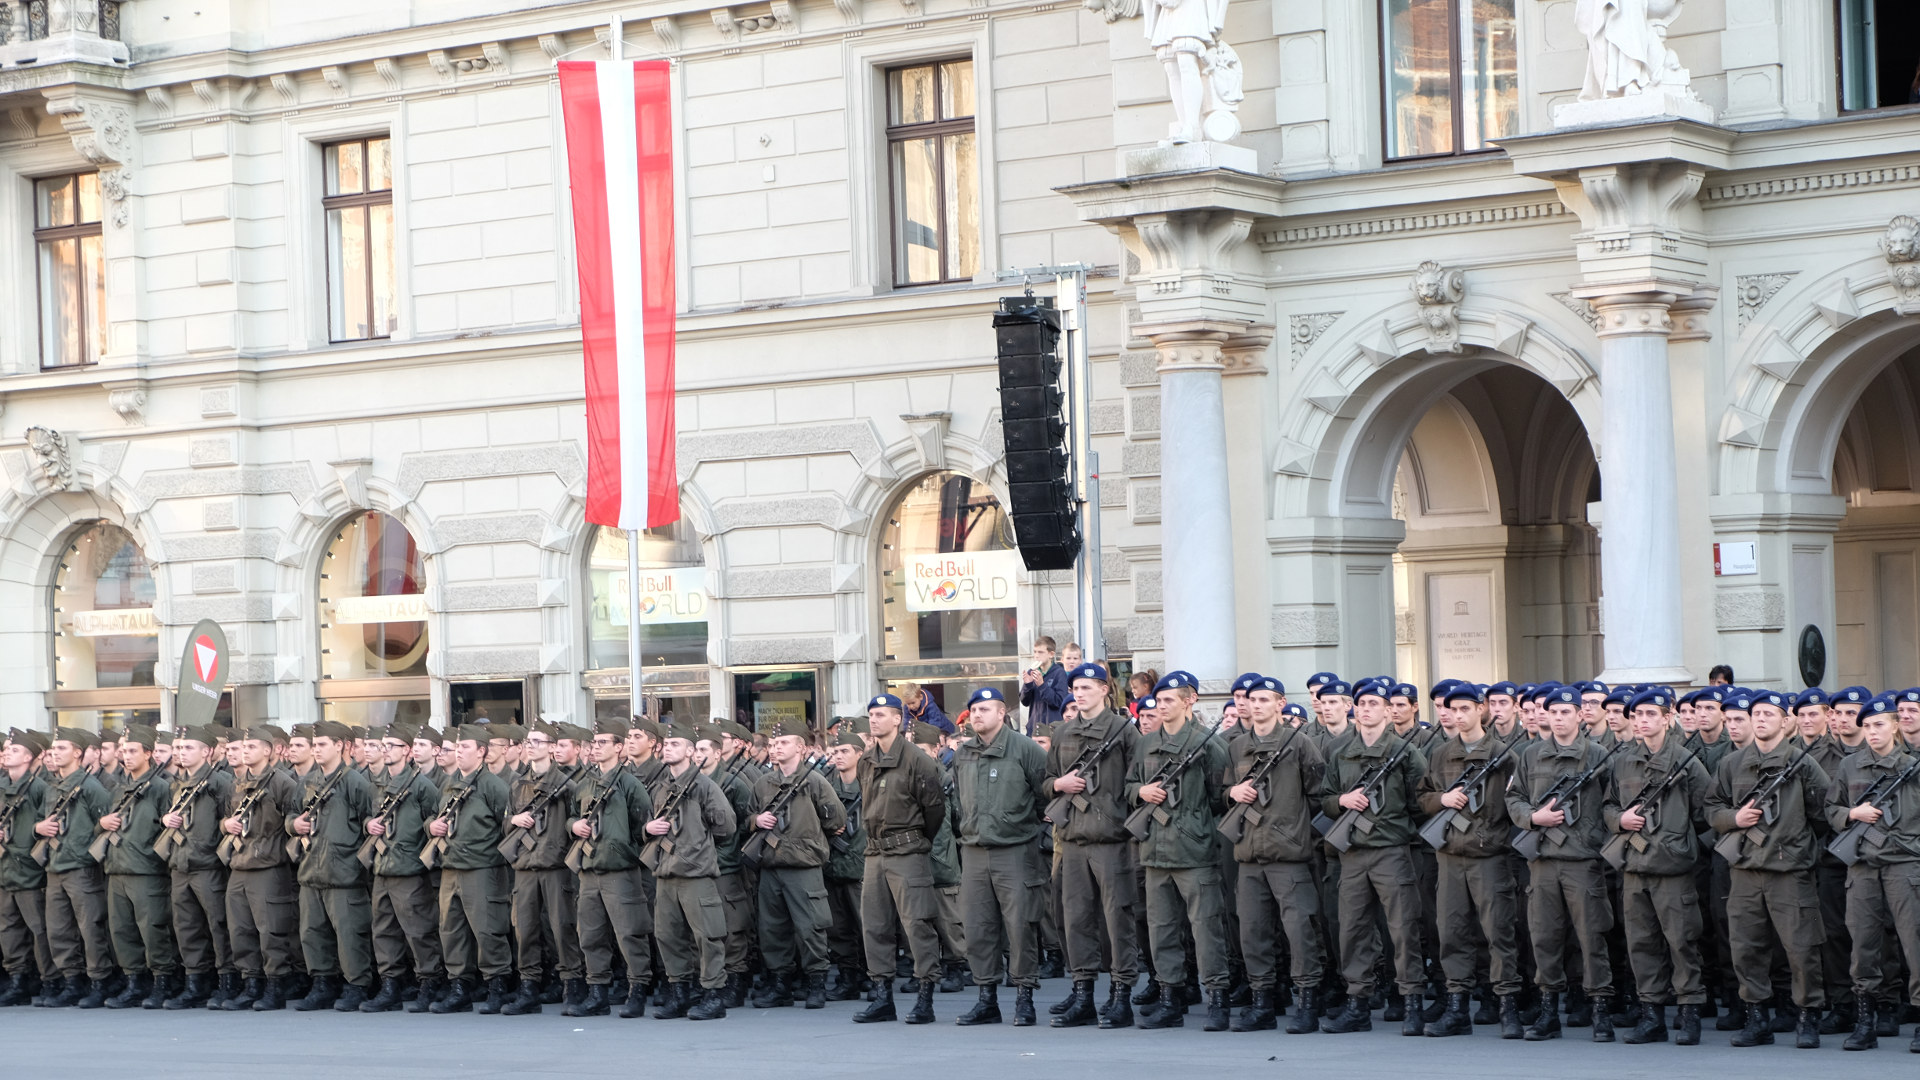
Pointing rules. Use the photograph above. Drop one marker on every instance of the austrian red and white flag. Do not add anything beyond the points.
(619, 117)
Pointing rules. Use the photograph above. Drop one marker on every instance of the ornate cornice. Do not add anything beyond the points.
(1409, 223)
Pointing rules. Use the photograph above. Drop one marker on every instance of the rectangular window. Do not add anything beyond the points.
(935, 173)
(72, 269)
(359, 208)
(1452, 75)
(1879, 54)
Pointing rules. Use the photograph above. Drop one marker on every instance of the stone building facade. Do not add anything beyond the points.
(290, 341)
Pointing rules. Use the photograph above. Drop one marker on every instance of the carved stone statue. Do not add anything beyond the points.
(1627, 47)
(51, 461)
(1203, 72)
(1901, 243)
(1439, 291)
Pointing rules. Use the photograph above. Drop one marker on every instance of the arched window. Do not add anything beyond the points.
(106, 641)
(948, 582)
(674, 604)
(373, 623)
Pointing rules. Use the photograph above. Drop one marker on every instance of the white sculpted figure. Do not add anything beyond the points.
(1627, 47)
(1203, 72)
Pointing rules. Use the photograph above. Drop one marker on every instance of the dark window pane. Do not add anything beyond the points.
(1419, 78)
(956, 89)
(1489, 73)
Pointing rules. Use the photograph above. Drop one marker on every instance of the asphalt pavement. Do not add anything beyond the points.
(795, 1044)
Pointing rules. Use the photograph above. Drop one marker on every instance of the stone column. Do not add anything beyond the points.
(1196, 523)
(1640, 534)
(1244, 360)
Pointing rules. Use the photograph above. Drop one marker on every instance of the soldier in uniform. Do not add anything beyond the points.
(1660, 853)
(735, 884)
(900, 788)
(404, 906)
(692, 818)
(1000, 784)
(202, 792)
(1475, 890)
(543, 888)
(945, 858)
(76, 908)
(1183, 887)
(261, 902)
(1098, 869)
(475, 899)
(1275, 852)
(1880, 882)
(797, 813)
(1771, 888)
(846, 868)
(607, 825)
(335, 912)
(23, 898)
(138, 914)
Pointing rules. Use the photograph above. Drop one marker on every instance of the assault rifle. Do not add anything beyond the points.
(436, 846)
(230, 844)
(659, 847)
(1064, 805)
(1473, 781)
(1761, 796)
(396, 793)
(123, 801)
(1340, 833)
(754, 851)
(170, 839)
(297, 845)
(1846, 846)
(519, 840)
(11, 807)
(1138, 822)
(1616, 850)
(1234, 825)
(1562, 793)
(43, 847)
(838, 841)
(582, 847)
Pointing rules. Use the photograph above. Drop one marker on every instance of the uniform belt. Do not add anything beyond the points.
(897, 840)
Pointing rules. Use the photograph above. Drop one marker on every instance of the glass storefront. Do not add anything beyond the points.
(673, 598)
(500, 701)
(373, 625)
(761, 697)
(106, 640)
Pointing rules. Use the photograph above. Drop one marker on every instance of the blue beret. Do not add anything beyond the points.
(1854, 694)
(1460, 691)
(986, 693)
(1885, 703)
(1175, 679)
(1336, 688)
(1149, 702)
(1247, 681)
(1812, 695)
(885, 701)
(1783, 702)
(1321, 678)
(1088, 671)
(1506, 688)
(1405, 690)
(1621, 696)
(1439, 691)
(1657, 696)
(1294, 708)
(1370, 689)
(1561, 695)
(1268, 683)
(1912, 694)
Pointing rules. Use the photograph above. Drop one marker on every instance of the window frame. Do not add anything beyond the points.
(892, 133)
(53, 234)
(366, 199)
(1840, 70)
(1456, 100)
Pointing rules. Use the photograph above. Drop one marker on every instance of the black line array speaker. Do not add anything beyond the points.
(1045, 525)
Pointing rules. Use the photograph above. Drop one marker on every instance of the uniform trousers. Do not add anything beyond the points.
(336, 926)
(900, 886)
(543, 918)
(1663, 923)
(1379, 882)
(476, 919)
(1567, 901)
(1761, 903)
(794, 917)
(406, 927)
(1100, 887)
(1003, 891)
(262, 912)
(1185, 900)
(199, 902)
(1879, 899)
(1277, 898)
(23, 932)
(615, 912)
(77, 923)
(1476, 904)
(690, 926)
(140, 920)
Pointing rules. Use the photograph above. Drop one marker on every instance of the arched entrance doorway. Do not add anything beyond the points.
(1876, 549)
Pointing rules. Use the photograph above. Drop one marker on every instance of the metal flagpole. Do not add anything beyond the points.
(637, 701)
(1072, 284)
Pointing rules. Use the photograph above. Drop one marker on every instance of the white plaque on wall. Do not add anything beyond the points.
(1460, 626)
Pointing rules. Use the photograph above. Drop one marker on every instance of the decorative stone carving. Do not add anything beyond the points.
(1304, 330)
(1580, 307)
(1245, 353)
(1901, 245)
(668, 32)
(929, 437)
(203, 89)
(1754, 290)
(51, 460)
(131, 403)
(389, 73)
(723, 22)
(1631, 74)
(102, 130)
(849, 11)
(1439, 291)
(1203, 71)
(1113, 10)
(161, 99)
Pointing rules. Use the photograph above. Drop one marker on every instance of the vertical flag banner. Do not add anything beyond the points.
(619, 119)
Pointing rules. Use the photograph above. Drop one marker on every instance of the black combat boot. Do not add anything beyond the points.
(243, 996)
(1626, 1008)
(1167, 1013)
(674, 1004)
(1119, 1010)
(1079, 1010)
(352, 996)
(1785, 1013)
(425, 994)
(273, 996)
(526, 1000)
(1456, 1020)
(1306, 1011)
(1758, 1030)
(95, 996)
(1149, 992)
(1603, 1019)
(1023, 1007)
(1914, 1046)
(1415, 1023)
(1510, 1027)
(953, 979)
(1060, 1007)
(1887, 1019)
(387, 1000)
(1579, 1007)
(847, 989)
(774, 993)
(922, 1011)
(1117, 994)
(1836, 1020)
(636, 1004)
(132, 994)
(1651, 1027)
(165, 985)
(593, 1003)
(458, 998)
(1547, 1024)
(1258, 1015)
(553, 990)
(1806, 1033)
(712, 1005)
(68, 994)
(1733, 1017)
(496, 998)
(193, 994)
(1219, 1013)
(1688, 1021)
(881, 1007)
(224, 990)
(1355, 1017)
(734, 994)
(19, 991)
(1486, 1007)
(573, 993)
(1865, 1035)
(1393, 1007)
(817, 990)
(1052, 964)
(984, 1011)
(322, 996)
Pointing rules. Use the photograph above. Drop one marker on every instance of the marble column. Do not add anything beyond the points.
(1640, 530)
(1244, 359)
(1196, 521)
